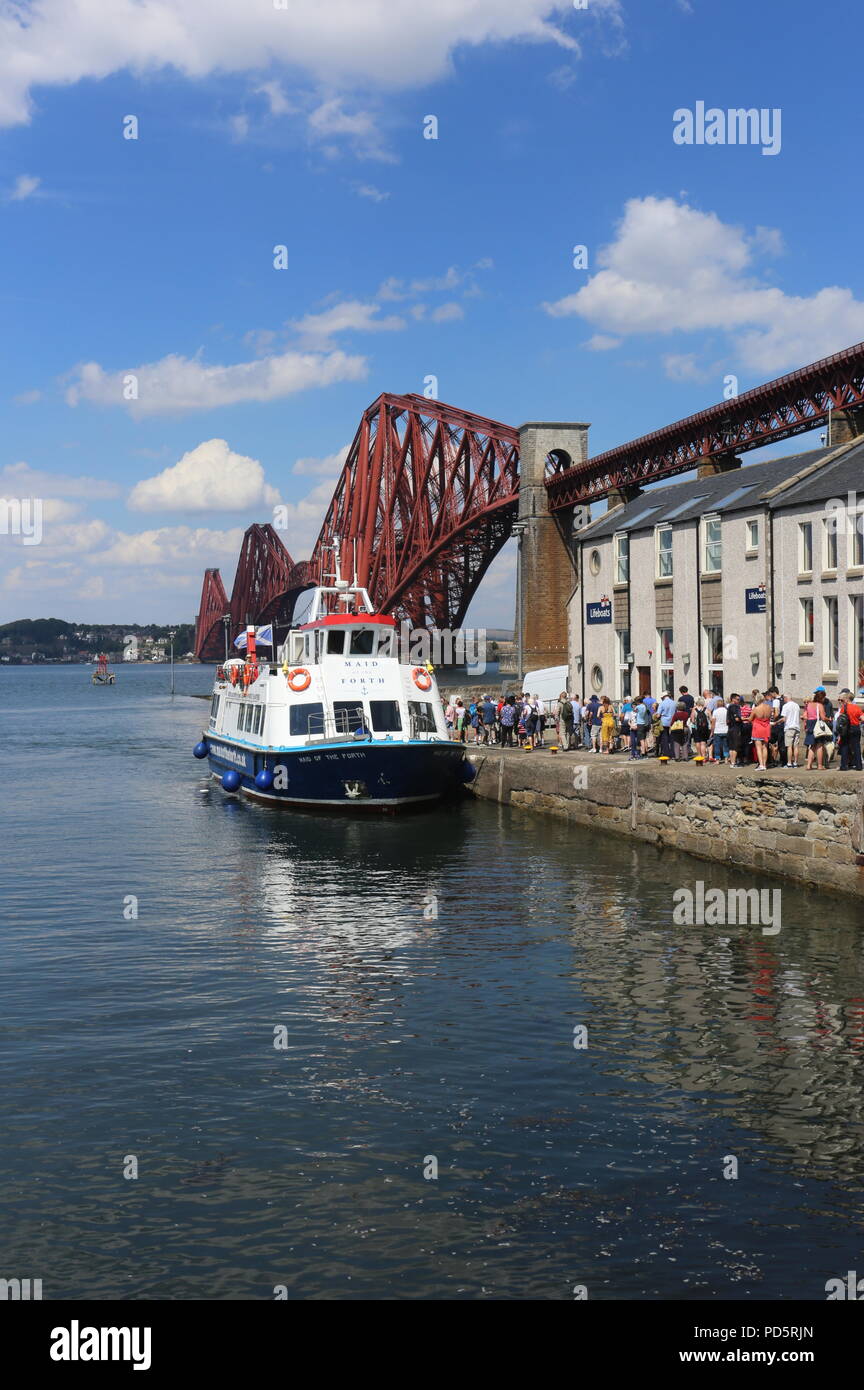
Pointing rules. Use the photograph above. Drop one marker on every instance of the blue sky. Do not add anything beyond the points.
(406, 256)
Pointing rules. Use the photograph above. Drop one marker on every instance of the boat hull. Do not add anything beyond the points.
(382, 776)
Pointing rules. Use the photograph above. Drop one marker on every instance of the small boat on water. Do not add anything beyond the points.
(102, 676)
(340, 718)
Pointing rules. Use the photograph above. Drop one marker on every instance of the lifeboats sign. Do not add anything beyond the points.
(598, 612)
(754, 600)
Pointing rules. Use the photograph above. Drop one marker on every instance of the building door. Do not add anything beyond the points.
(644, 680)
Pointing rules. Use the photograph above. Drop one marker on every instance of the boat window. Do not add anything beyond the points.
(307, 719)
(348, 716)
(335, 643)
(422, 717)
(362, 641)
(247, 717)
(387, 641)
(385, 716)
(214, 709)
(259, 718)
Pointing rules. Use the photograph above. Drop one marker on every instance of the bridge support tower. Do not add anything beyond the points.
(546, 572)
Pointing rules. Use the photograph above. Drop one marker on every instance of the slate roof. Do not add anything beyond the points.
(724, 493)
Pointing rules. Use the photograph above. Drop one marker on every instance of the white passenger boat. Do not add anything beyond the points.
(340, 718)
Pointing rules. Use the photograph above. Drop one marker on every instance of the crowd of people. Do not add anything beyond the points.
(767, 728)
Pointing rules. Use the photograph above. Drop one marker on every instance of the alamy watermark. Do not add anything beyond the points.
(719, 907)
(21, 516)
(737, 126)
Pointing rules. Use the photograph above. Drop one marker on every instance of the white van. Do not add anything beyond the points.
(547, 682)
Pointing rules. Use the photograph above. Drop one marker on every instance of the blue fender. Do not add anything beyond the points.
(231, 780)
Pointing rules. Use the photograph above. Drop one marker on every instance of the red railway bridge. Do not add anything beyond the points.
(428, 495)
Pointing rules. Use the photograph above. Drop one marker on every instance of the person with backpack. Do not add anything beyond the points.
(565, 720)
(701, 726)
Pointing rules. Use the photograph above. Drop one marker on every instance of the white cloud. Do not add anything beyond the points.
(330, 466)
(239, 127)
(20, 480)
(24, 187)
(27, 398)
(602, 342)
(672, 268)
(563, 78)
(276, 99)
(368, 190)
(446, 313)
(177, 384)
(175, 548)
(352, 43)
(209, 478)
(300, 522)
(350, 316)
(683, 366)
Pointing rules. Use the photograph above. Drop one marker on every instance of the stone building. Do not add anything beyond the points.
(736, 581)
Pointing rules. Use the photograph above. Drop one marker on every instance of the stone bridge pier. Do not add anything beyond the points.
(547, 575)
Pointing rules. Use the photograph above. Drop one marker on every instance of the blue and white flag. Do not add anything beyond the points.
(264, 635)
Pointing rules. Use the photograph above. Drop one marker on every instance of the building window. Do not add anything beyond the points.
(714, 657)
(597, 678)
(594, 561)
(667, 666)
(805, 547)
(664, 552)
(805, 626)
(829, 526)
(624, 667)
(858, 538)
(622, 558)
(753, 536)
(712, 545)
(832, 635)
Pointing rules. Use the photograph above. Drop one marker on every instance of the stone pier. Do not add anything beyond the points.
(806, 827)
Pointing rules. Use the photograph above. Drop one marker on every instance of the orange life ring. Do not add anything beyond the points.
(422, 678)
(233, 675)
(299, 679)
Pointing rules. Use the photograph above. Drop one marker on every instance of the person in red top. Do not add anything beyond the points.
(849, 733)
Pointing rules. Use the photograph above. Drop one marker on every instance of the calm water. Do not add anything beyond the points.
(407, 1036)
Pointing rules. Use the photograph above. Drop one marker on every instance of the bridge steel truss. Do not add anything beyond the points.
(781, 408)
(428, 494)
(425, 501)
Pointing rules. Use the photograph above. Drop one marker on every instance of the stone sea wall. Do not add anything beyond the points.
(803, 826)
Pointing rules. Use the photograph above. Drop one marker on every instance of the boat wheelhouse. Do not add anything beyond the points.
(339, 719)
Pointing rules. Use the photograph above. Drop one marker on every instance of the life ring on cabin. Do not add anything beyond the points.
(250, 672)
(233, 675)
(422, 678)
(299, 679)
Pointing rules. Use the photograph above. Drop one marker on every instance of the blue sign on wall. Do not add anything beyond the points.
(754, 600)
(599, 612)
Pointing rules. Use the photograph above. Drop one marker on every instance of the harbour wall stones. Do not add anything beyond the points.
(807, 827)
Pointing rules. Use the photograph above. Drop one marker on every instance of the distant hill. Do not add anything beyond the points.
(53, 639)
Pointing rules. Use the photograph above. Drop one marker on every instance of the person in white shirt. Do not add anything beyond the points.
(790, 713)
(719, 732)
